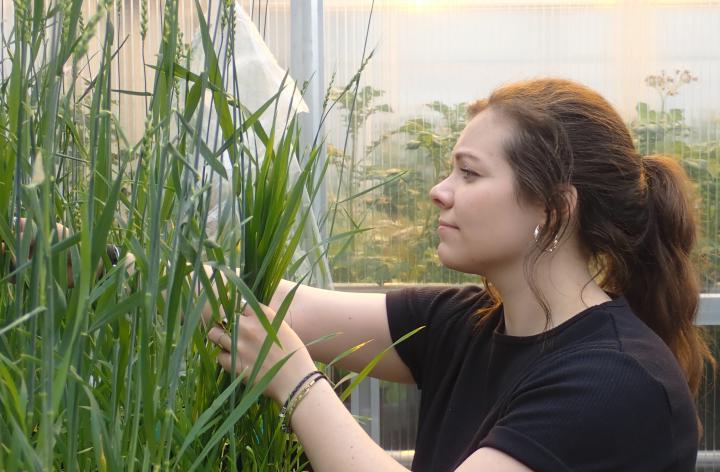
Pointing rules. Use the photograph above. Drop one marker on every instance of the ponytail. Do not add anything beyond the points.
(662, 286)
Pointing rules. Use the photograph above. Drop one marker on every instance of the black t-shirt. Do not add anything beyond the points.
(599, 392)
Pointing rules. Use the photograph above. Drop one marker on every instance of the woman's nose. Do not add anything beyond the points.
(441, 194)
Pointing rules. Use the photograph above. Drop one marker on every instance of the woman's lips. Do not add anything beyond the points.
(445, 225)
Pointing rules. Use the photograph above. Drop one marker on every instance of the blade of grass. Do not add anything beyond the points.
(371, 365)
(249, 397)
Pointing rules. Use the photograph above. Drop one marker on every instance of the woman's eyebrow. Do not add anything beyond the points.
(459, 155)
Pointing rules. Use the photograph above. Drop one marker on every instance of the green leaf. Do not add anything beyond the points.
(206, 416)
(31, 457)
(192, 100)
(250, 298)
(371, 365)
(205, 152)
(374, 187)
(127, 305)
(215, 78)
(346, 353)
(26, 317)
(133, 93)
(248, 398)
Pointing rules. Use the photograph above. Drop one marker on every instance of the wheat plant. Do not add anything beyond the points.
(107, 367)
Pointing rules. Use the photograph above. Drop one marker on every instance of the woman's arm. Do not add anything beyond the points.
(487, 459)
(331, 437)
(355, 317)
(333, 440)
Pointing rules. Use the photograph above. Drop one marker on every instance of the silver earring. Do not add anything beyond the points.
(553, 246)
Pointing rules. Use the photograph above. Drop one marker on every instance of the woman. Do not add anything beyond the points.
(580, 354)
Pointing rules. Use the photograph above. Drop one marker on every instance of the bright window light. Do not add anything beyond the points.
(419, 4)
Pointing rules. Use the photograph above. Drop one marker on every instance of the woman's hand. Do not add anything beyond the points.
(250, 338)
(113, 253)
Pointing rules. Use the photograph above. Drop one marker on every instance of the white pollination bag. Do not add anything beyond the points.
(253, 76)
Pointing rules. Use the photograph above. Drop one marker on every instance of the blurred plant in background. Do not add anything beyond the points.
(400, 240)
(401, 244)
(357, 108)
(697, 148)
(669, 86)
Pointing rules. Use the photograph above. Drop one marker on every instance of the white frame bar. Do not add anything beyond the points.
(307, 65)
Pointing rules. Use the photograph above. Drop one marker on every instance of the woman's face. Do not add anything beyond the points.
(482, 225)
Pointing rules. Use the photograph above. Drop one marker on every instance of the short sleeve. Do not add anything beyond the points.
(435, 308)
(594, 410)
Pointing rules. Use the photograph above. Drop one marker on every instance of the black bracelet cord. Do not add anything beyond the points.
(295, 390)
(292, 401)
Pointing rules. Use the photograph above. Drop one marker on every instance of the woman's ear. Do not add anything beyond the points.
(569, 195)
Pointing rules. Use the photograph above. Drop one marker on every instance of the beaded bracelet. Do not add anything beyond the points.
(284, 408)
(293, 401)
(296, 401)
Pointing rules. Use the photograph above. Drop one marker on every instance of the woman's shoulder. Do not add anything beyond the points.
(611, 334)
(635, 343)
(625, 413)
(641, 371)
(437, 304)
(441, 313)
(434, 293)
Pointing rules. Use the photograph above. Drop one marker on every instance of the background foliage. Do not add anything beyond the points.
(401, 243)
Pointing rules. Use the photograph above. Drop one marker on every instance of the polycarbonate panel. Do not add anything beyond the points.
(452, 52)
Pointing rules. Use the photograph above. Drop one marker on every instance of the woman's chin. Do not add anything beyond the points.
(450, 261)
(457, 263)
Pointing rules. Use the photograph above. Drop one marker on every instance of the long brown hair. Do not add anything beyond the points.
(635, 215)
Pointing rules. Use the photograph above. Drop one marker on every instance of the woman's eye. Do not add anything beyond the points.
(467, 173)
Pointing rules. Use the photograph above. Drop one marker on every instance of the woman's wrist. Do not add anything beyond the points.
(297, 395)
(307, 396)
(285, 387)
(332, 438)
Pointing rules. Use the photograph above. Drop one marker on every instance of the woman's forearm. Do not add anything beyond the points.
(282, 290)
(332, 438)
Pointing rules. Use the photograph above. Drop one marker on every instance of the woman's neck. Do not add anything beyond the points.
(564, 282)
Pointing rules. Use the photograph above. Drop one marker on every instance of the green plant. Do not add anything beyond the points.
(358, 107)
(401, 245)
(116, 373)
(697, 148)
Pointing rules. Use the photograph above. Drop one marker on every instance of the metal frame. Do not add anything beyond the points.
(307, 68)
(709, 311)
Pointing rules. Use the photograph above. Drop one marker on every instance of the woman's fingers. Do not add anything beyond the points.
(221, 338)
(249, 312)
(250, 337)
(225, 360)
